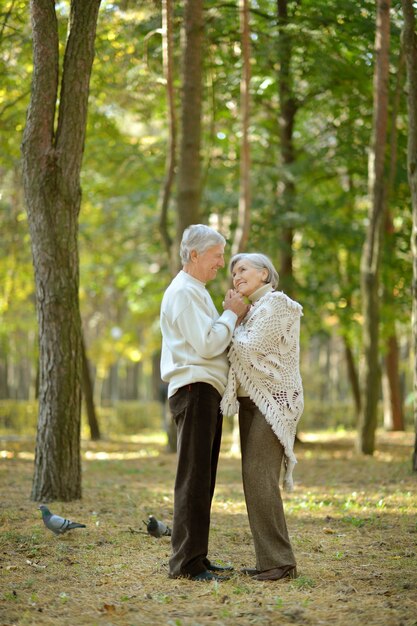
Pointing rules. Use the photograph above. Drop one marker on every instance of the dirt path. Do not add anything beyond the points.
(352, 521)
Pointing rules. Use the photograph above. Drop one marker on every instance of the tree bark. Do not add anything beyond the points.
(243, 221)
(353, 377)
(371, 252)
(51, 174)
(241, 236)
(189, 166)
(391, 388)
(410, 48)
(288, 111)
(170, 164)
(87, 389)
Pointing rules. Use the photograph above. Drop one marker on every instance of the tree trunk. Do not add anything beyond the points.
(51, 173)
(87, 389)
(393, 387)
(353, 378)
(189, 167)
(167, 57)
(243, 218)
(371, 252)
(243, 221)
(410, 48)
(288, 110)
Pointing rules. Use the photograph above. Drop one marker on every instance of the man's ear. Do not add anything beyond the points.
(193, 256)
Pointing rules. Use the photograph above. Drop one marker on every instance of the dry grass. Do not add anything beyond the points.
(352, 520)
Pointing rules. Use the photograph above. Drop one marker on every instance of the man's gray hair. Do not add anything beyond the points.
(199, 238)
(258, 261)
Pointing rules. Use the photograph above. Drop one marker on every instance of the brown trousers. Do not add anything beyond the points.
(195, 409)
(262, 455)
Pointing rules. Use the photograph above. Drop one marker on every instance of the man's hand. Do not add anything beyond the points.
(233, 301)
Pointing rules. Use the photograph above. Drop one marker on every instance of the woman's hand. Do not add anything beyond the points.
(233, 301)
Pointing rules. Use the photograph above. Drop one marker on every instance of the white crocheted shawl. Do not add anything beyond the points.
(264, 359)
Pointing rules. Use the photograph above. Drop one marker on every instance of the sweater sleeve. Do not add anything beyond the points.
(207, 337)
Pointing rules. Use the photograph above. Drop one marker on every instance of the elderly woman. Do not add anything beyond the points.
(264, 386)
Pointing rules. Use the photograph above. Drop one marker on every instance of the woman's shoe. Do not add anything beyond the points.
(277, 573)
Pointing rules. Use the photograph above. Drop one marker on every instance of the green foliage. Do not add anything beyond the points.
(17, 313)
(124, 268)
(124, 418)
(319, 414)
(129, 418)
(19, 418)
(15, 69)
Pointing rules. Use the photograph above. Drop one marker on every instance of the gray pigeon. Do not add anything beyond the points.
(156, 528)
(58, 525)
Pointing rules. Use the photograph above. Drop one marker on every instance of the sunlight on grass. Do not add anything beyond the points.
(325, 436)
(362, 502)
(6, 454)
(145, 437)
(12, 454)
(89, 455)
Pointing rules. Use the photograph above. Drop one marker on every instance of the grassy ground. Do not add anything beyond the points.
(352, 522)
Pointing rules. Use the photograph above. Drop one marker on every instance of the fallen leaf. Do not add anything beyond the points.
(108, 608)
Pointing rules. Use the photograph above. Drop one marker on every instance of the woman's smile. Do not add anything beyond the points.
(247, 279)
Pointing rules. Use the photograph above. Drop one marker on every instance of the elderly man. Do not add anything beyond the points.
(194, 363)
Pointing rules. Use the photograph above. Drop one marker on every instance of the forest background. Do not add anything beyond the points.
(284, 124)
(292, 97)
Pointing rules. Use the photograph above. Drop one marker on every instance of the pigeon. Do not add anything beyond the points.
(58, 525)
(156, 528)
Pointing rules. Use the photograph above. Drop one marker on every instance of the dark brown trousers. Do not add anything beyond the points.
(262, 455)
(195, 409)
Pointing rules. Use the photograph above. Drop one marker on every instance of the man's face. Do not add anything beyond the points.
(206, 264)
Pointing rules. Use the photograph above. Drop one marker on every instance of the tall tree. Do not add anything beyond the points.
(410, 47)
(371, 253)
(189, 166)
(243, 221)
(52, 157)
(288, 111)
(88, 394)
(171, 153)
(170, 164)
(391, 387)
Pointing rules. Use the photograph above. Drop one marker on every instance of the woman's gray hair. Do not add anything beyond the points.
(258, 261)
(199, 238)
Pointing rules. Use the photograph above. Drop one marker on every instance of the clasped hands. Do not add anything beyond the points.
(233, 301)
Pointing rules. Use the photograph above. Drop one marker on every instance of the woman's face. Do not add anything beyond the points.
(246, 278)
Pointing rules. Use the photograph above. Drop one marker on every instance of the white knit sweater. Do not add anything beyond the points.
(264, 358)
(194, 337)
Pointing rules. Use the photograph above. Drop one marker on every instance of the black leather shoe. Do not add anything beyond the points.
(207, 576)
(219, 568)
